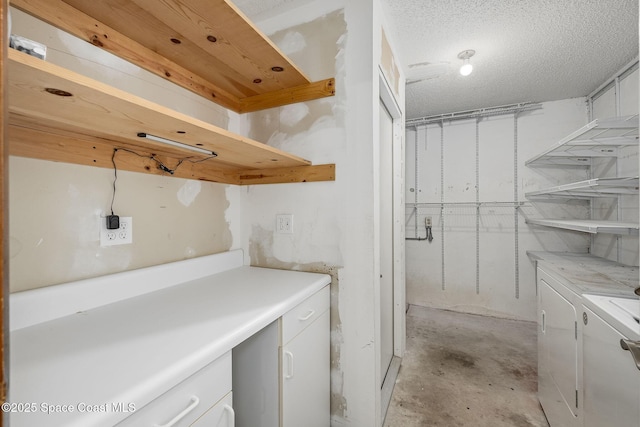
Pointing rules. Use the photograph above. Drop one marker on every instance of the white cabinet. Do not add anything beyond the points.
(305, 364)
(185, 403)
(176, 370)
(281, 374)
(558, 351)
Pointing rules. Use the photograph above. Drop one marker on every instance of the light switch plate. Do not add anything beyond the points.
(119, 236)
(284, 224)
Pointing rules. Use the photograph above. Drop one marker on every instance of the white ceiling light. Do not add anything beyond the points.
(466, 67)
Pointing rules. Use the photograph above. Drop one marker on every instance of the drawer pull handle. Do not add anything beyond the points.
(195, 401)
(308, 316)
(289, 364)
(232, 415)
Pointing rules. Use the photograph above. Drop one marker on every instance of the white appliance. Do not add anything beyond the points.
(611, 363)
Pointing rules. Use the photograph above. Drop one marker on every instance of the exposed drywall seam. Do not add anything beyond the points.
(260, 250)
(314, 130)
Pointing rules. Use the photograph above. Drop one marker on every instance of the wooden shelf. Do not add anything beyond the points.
(589, 226)
(206, 46)
(95, 118)
(600, 138)
(598, 187)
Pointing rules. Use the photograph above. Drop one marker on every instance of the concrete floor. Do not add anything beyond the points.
(466, 370)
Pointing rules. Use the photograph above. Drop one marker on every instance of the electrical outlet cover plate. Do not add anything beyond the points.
(119, 236)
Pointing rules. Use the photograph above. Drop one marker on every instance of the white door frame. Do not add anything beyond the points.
(385, 242)
(399, 291)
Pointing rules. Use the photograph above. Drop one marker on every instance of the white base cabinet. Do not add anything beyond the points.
(281, 374)
(204, 395)
(305, 364)
(214, 361)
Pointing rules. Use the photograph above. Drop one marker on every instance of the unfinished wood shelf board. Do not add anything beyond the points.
(597, 187)
(54, 101)
(599, 138)
(589, 226)
(206, 46)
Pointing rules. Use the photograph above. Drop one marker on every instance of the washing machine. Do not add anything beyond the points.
(611, 361)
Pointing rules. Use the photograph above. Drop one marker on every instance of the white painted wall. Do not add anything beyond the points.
(484, 280)
(456, 274)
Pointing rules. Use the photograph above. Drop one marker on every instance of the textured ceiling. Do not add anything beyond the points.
(526, 50)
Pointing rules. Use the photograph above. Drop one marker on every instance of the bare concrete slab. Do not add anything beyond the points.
(466, 370)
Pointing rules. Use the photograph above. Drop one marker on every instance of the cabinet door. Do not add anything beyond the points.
(219, 415)
(558, 355)
(611, 378)
(305, 376)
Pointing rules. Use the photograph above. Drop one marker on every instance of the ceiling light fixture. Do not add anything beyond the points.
(466, 67)
(176, 144)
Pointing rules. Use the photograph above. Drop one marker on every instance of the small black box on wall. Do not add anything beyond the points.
(113, 222)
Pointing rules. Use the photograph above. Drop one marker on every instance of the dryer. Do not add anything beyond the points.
(611, 361)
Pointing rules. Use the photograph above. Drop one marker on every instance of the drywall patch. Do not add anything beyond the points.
(261, 253)
(292, 42)
(319, 36)
(188, 192)
(165, 229)
(317, 131)
(293, 114)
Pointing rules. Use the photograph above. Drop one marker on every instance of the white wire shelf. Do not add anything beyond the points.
(598, 187)
(600, 138)
(465, 204)
(589, 226)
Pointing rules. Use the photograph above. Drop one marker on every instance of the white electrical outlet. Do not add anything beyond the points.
(427, 221)
(284, 224)
(119, 236)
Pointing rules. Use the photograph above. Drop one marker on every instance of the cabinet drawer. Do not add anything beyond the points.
(294, 321)
(193, 397)
(220, 415)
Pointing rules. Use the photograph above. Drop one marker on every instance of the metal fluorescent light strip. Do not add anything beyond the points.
(176, 144)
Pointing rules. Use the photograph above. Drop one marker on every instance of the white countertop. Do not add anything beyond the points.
(131, 351)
